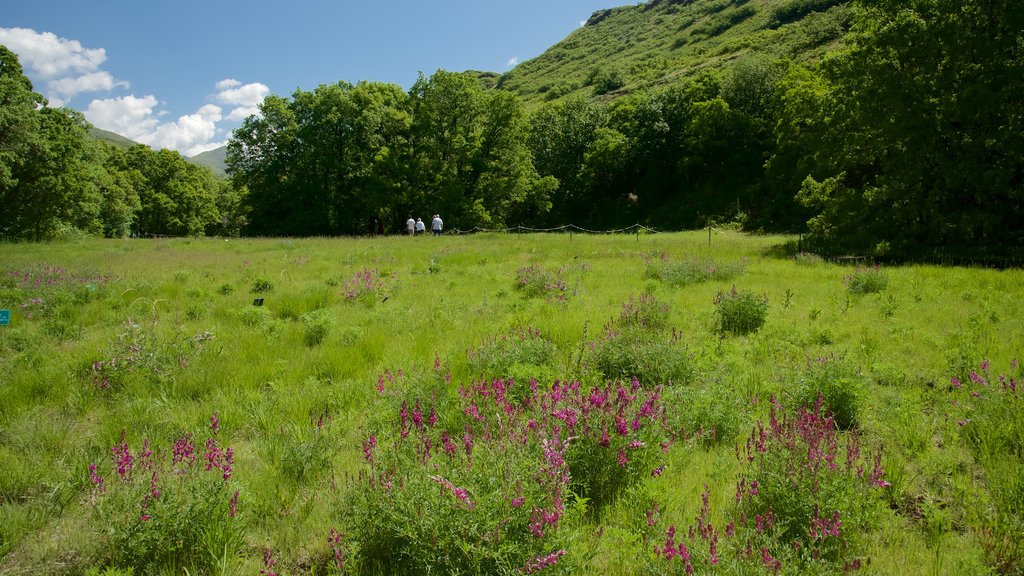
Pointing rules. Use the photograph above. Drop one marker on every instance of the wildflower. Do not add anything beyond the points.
(368, 446)
(334, 539)
(233, 505)
(541, 562)
(96, 479)
(215, 422)
(622, 460)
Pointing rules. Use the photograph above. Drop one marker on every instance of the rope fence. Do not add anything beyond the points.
(634, 229)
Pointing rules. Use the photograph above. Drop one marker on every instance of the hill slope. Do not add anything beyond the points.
(111, 138)
(635, 48)
(215, 160)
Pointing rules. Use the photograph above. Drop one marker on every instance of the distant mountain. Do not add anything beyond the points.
(215, 160)
(639, 47)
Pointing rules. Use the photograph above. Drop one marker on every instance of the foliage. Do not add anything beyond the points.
(173, 507)
(486, 486)
(502, 356)
(691, 270)
(866, 280)
(632, 347)
(740, 313)
(835, 383)
(316, 326)
(803, 497)
(141, 352)
(885, 178)
(536, 280)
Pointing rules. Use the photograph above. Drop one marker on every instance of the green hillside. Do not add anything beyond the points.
(111, 138)
(212, 159)
(634, 48)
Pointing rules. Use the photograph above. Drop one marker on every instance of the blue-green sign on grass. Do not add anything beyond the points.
(5, 317)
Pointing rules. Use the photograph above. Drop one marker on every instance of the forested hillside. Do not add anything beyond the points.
(873, 127)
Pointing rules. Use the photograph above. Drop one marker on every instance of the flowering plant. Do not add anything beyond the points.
(162, 508)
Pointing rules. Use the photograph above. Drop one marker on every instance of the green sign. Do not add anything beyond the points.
(5, 317)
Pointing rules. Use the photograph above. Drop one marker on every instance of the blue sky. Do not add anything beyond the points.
(180, 75)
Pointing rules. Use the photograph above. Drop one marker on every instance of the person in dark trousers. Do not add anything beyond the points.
(437, 225)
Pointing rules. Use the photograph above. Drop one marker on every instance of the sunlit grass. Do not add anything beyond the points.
(445, 296)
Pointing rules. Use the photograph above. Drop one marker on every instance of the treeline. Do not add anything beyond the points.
(909, 139)
(56, 181)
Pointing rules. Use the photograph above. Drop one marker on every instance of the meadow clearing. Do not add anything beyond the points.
(505, 403)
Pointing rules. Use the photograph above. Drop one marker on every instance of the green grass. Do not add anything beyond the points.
(651, 44)
(272, 372)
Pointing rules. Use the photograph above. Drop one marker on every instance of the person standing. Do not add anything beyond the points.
(436, 225)
(410, 224)
(420, 227)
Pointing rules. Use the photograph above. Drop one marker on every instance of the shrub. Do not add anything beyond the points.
(692, 271)
(806, 499)
(837, 383)
(629, 353)
(711, 415)
(536, 281)
(808, 259)
(520, 348)
(866, 280)
(367, 286)
(261, 286)
(740, 313)
(644, 313)
(142, 351)
(42, 290)
(168, 510)
(800, 503)
(316, 326)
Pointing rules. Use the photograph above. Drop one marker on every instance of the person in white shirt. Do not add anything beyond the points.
(436, 225)
(420, 227)
(411, 225)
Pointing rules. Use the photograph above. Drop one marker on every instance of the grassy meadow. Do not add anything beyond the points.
(376, 413)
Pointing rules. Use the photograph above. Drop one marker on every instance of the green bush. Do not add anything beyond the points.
(644, 313)
(692, 271)
(316, 327)
(866, 280)
(261, 286)
(634, 353)
(740, 313)
(837, 383)
(711, 415)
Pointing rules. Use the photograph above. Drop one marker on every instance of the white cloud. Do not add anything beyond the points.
(245, 98)
(64, 66)
(227, 83)
(94, 82)
(237, 94)
(512, 61)
(134, 118)
(243, 112)
(129, 116)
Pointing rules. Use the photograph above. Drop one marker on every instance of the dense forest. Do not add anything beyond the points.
(905, 138)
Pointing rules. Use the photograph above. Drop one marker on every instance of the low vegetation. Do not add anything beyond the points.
(504, 404)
